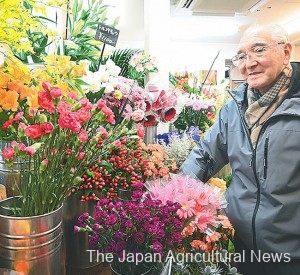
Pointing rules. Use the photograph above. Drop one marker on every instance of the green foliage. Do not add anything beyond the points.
(82, 23)
(121, 58)
(228, 179)
(189, 117)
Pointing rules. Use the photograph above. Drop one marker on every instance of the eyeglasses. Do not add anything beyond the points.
(257, 51)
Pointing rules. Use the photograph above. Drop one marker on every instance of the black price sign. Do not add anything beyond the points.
(107, 34)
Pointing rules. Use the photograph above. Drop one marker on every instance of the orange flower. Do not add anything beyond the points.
(214, 237)
(9, 100)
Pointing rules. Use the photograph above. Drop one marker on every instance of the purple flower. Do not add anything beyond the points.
(157, 247)
(120, 246)
(83, 217)
(96, 226)
(176, 237)
(178, 224)
(160, 232)
(137, 195)
(128, 223)
(102, 202)
(139, 237)
(77, 229)
(93, 240)
(112, 219)
(118, 235)
(138, 185)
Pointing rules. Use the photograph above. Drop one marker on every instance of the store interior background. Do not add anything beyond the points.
(186, 35)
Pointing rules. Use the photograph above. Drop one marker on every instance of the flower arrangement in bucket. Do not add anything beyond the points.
(57, 140)
(130, 231)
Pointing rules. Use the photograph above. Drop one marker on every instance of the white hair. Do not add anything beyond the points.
(274, 31)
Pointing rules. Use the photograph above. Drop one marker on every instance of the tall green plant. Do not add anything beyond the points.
(82, 21)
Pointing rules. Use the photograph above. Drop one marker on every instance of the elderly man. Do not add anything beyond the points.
(258, 133)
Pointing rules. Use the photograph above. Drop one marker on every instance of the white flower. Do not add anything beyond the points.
(108, 88)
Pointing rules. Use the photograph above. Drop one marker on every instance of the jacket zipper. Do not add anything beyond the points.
(253, 164)
(266, 157)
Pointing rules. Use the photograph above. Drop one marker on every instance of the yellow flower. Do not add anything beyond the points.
(118, 94)
(218, 183)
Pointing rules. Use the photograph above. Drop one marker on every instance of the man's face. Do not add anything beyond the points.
(262, 66)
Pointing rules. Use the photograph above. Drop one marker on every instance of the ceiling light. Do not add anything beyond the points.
(258, 5)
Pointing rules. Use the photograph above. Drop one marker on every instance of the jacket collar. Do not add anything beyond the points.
(239, 93)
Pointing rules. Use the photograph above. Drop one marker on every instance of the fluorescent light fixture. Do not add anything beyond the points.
(258, 5)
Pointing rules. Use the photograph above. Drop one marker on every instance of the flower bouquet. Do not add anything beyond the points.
(177, 220)
(136, 234)
(207, 231)
(57, 141)
(161, 106)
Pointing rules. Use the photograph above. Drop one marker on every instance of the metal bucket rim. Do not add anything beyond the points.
(27, 217)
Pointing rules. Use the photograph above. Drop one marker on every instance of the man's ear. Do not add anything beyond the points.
(287, 52)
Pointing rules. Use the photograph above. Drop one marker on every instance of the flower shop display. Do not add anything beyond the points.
(160, 164)
(177, 146)
(197, 110)
(123, 95)
(135, 228)
(122, 168)
(193, 226)
(119, 169)
(62, 132)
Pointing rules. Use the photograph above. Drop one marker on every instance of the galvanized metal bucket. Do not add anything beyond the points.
(150, 134)
(76, 245)
(32, 245)
(9, 177)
